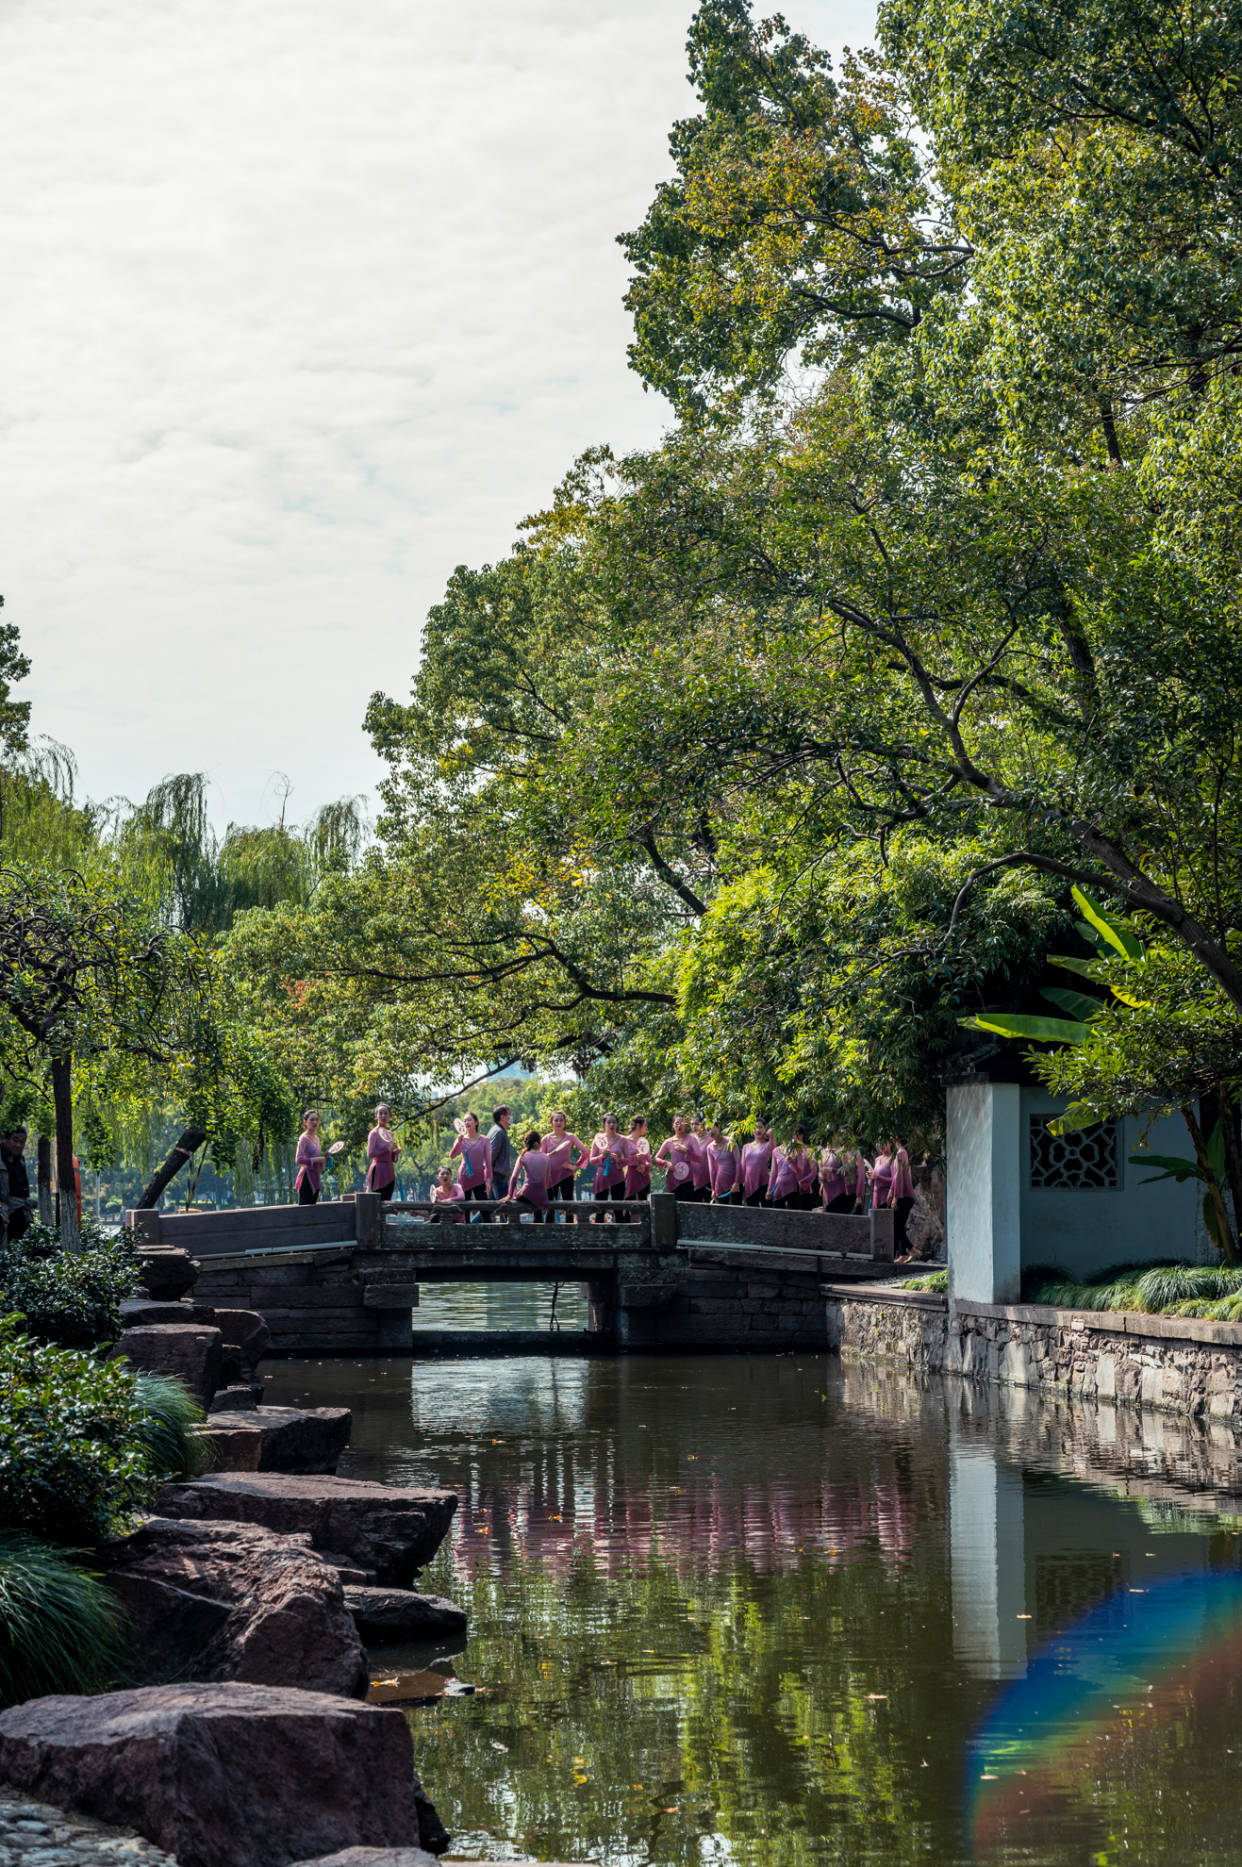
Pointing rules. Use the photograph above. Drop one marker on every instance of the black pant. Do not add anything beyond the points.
(385, 1192)
(757, 1199)
(901, 1213)
(475, 1192)
(308, 1195)
(542, 1215)
(844, 1202)
(685, 1189)
(563, 1189)
(615, 1191)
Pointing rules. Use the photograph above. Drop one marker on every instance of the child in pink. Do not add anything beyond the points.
(756, 1164)
(528, 1185)
(446, 1195)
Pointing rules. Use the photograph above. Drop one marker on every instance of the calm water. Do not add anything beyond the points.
(773, 1610)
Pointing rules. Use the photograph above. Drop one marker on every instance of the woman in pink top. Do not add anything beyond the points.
(446, 1196)
(474, 1150)
(310, 1160)
(566, 1153)
(881, 1178)
(528, 1185)
(790, 1173)
(842, 1177)
(901, 1198)
(700, 1173)
(678, 1156)
(638, 1162)
(722, 1164)
(382, 1154)
(756, 1164)
(609, 1155)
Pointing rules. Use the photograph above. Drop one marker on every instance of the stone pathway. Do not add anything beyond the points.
(34, 1835)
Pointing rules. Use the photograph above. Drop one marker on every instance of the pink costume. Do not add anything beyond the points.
(700, 1171)
(476, 1161)
(807, 1169)
(559, 1149)
(449, 1195)
(608, 1157)
(756, 1160)
(531, 1178)
(782, 1175)
(677, 1157)
(382, 1153)
(835, 1177)
(722, 1168)
(903, 1179)
(881, 1185)
(309, 1162)
(638, 1168)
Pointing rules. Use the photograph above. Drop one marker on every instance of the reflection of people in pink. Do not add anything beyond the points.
(638, 1162)
(528, 1185)
(566, 1153)
(842, 1177)
(446, 1196)
(475, 1153)
(382, 1154)
(722, 1164)
(756, 1165)
(310, 1160)
(609, 1154)
(679, 1156)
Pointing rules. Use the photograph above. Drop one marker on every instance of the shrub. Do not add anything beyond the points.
(59, 1625)
(80, 1450)
(70, 1298)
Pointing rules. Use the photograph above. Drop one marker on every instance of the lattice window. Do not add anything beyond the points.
(1090, 1157)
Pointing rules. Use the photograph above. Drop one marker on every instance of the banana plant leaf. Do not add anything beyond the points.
(1076, 1004)
(1085, 968)
(1077, 1115)
(1120, 938)
(1034, 1029)
(1175, 1167)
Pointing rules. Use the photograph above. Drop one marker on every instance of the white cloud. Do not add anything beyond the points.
(305, 303)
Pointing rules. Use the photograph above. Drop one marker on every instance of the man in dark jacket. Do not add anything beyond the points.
(502, 1152)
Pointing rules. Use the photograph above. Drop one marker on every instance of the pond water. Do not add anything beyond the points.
(777, 1610)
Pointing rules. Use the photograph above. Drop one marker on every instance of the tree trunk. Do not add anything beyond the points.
(185, 1146)
(66, 1185)
(43, 1179)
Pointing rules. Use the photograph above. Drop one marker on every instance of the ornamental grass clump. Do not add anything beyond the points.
(59, 1624)
(1207, 1290)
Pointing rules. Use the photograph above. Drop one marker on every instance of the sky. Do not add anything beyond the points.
(305, 303)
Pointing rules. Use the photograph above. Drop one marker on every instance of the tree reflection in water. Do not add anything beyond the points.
(721, 1608)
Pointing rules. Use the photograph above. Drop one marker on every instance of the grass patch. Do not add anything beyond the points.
(1213, 1291)
(937, 1281)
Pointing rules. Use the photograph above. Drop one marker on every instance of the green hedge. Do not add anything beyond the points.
(70, 1298)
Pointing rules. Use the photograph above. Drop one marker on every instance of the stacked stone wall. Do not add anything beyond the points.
(1164, 1363)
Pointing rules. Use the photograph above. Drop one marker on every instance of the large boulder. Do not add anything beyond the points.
(218, 1601)
(138, 1312)
(386, 1531)
(167, 1271)
(289, 1439)
(222, 1775)
(191, 1351)
(246, 1335)
(382, 1614)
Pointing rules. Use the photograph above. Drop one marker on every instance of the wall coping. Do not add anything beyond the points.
(1100, 1322)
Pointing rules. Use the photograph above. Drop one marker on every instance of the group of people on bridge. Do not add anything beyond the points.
(699, 1161)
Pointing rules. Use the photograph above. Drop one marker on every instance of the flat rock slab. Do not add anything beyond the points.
(387, 1530)
(221, 1775)
(221, 1601)
(395, 1613)
(374, 1857)
(190, 1351)
(241, 1399)
(139, 1312)
(289, 1439)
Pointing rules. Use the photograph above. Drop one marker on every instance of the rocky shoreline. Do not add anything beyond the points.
(245, 1739)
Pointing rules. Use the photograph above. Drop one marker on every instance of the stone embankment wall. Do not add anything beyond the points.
(1167, 1363)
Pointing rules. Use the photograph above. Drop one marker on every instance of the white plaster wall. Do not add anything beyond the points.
(983, 1206)
(1085, 1231)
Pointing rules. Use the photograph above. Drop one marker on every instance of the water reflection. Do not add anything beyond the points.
(762, 1607)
